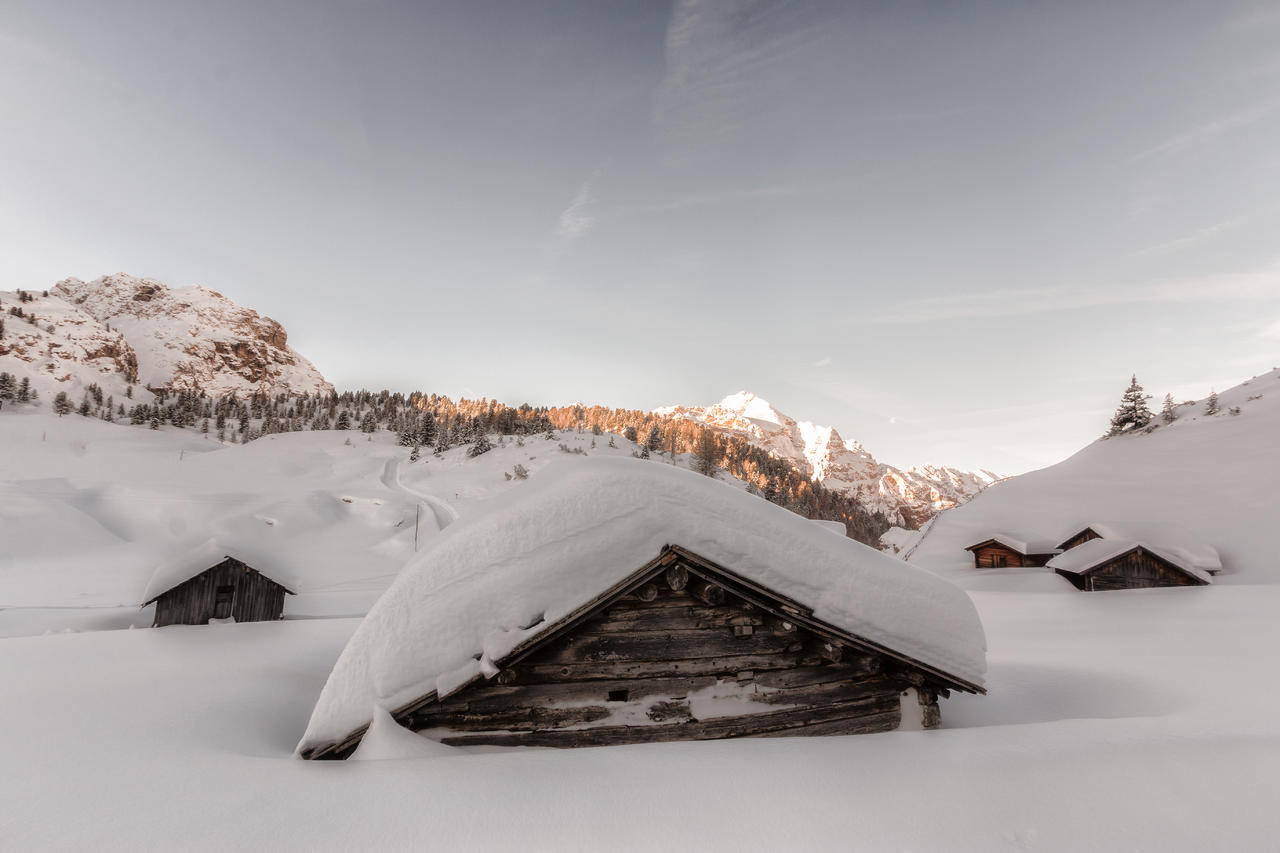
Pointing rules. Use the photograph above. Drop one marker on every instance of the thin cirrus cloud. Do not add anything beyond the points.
(1258, 286)
(1208, 131)
(716, 55)
(579, 217)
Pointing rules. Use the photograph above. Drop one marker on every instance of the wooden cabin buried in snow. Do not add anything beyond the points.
(228, 590)
(682, 649)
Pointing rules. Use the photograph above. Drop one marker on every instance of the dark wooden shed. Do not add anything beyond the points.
(682, 649)
(1107, 564)
(227, 589)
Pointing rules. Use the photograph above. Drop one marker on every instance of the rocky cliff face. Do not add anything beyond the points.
(119, 330)
(907, 498)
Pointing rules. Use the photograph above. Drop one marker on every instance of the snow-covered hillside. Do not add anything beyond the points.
(906, 498)
(1213, 475)
(119, 330)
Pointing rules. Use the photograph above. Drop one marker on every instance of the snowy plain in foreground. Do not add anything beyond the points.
(1132, 720)
(1138, 721)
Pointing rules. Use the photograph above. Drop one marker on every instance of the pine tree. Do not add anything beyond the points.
(61, 405)
(344, 420)
(1169, 413)
(630, 434)
(1133, 413)
(6, 387)
(415, 454)
(1211, 405)
(706, 453)
(369, 423)
(654, 440)
(481, 445)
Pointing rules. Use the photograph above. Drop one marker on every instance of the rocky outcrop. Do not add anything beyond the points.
(119, 330)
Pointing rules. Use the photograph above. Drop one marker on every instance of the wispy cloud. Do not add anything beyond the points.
(1200, 236)
(1260, 286)
(579, 217)
(717, 53)
(1208, 131)
(825, 361)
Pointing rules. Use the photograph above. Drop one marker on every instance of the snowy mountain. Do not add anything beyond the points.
(907, 498)
(119, 330)
(1211, 475)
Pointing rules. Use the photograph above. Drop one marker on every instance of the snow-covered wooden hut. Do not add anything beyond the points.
(1114, 563)
(1172, 539)
(615, 601)
(1001, 550)
(212, 581)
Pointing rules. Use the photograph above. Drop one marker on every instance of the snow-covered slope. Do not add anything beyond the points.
(906, 497)
(118, 330)
(1212, 476)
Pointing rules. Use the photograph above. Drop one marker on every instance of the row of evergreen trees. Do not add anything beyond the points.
(438, 423)
(1134, 414)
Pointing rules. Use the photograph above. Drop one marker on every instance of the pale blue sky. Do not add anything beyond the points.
(952, 230)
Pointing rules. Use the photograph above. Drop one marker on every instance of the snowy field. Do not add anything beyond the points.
(1140, 720)
(1133, 721)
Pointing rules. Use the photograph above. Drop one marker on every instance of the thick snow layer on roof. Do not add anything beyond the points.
(1025, 545)
(1169, 538)
(493, 580)
(1095, 552)
(187, 561)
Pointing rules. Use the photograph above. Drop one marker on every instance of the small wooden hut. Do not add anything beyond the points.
(1105, 564)
(1162, 537)
(208, 584)
(1003, 550)
(532, 625)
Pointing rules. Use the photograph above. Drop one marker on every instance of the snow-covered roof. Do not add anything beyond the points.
(1159, 536)
(1025, 545)
(190, 560)
(495, 580)
(1089, 555)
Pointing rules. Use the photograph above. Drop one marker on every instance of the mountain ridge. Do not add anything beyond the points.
(906, 497)
(120, 330)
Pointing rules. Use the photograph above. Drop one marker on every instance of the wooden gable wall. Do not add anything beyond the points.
(993, 555)
(678, 659)
(252, 597)
(1080, 538)
(1137, 569)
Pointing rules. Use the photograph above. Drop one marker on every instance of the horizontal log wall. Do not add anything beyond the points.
(689, 663)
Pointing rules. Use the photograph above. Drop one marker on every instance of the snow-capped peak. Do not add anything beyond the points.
(905, 497)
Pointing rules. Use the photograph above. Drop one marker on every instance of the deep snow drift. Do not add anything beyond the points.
(1212, 477)
(537, 554)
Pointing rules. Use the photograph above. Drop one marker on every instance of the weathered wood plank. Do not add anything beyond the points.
(658, 645)
(526, 673)
(876, 713)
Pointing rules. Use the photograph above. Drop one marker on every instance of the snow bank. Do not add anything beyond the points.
(493, 580)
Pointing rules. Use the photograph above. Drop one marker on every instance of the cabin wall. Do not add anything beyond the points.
(1000, 556)
(677, 664)
(1138, 569)
(253, 597)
